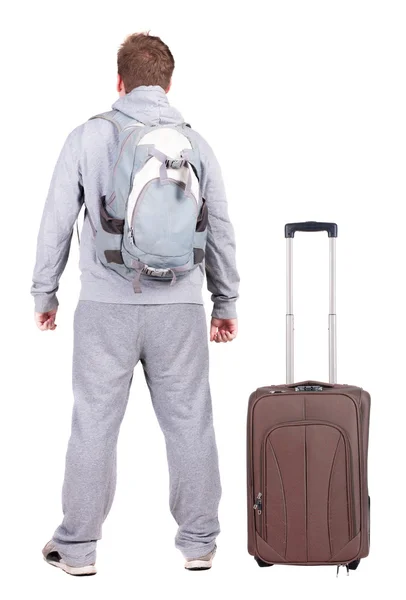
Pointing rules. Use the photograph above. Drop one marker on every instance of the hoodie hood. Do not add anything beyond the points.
(149, 105)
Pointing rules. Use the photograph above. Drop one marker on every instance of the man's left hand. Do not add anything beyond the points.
(223, 330)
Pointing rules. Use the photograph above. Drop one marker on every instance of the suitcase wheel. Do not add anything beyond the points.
(354, 564)
(262, 563)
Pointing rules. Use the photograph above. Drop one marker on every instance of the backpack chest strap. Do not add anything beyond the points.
(171, 163)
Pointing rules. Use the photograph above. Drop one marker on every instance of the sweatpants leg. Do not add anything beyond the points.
(106, 350)
(176, 365)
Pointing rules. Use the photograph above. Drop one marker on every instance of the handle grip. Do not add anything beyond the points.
(291, 228)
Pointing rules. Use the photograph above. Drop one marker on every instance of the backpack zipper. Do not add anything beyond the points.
(121, 151)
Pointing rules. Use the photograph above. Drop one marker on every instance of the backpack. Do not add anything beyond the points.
(153, 221)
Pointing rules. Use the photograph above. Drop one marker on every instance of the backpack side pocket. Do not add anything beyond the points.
(200, 237)
(109, 238)
(110, 224)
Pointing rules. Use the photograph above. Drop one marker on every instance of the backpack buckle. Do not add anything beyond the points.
(175, 163)
(154, 272)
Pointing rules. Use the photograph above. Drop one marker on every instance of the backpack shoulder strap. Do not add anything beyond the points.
(119, 119)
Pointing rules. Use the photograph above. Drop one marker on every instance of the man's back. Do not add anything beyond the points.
(82, 174)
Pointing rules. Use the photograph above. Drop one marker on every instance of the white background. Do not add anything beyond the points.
(304, 104)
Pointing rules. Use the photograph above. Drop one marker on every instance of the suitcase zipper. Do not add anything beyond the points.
(258, 503)
(258, 509)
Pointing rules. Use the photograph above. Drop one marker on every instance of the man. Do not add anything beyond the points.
(164, 327)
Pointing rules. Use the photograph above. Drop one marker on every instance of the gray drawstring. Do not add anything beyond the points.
(138, 267)
(137, 283)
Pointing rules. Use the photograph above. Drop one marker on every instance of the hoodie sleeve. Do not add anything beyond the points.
(62, 207)
(221, 270)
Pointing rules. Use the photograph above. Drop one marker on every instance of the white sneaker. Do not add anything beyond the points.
(201, 564)
(52, 557)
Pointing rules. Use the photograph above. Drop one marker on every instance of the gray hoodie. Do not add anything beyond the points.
(81, 176)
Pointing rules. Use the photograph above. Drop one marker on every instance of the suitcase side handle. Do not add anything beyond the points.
(310, 226)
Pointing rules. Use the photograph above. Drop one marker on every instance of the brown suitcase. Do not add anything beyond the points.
(307, 446)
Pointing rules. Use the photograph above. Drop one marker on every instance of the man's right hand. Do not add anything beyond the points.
(46, 321)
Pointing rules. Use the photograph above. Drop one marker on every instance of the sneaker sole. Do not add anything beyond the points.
(199, 565)
(75, 571)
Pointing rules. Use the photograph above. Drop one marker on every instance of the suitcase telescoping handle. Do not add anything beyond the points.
(290, 229)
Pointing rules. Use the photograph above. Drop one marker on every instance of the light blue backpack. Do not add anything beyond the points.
(153, 220)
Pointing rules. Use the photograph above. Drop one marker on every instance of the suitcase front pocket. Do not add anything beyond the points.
(308, 508)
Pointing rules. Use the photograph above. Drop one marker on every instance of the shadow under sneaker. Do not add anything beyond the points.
(52, 557)
(201, 564)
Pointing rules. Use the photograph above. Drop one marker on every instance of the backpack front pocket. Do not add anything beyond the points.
(163, 220)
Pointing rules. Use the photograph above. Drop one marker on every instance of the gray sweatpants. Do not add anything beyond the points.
(170, 340)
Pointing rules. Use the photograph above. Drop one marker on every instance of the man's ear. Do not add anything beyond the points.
(169, 87)
(120, 85)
